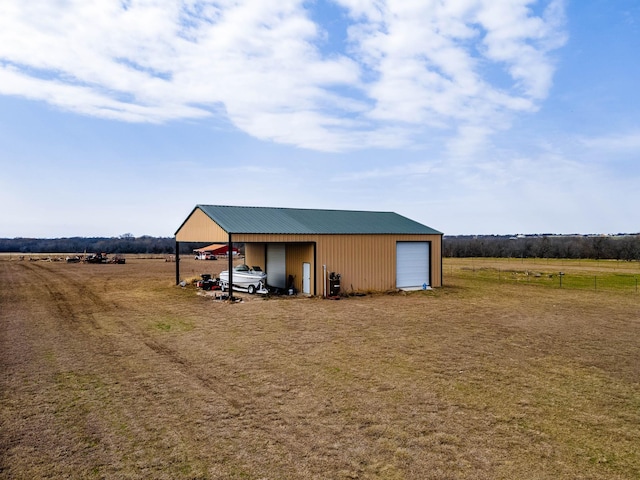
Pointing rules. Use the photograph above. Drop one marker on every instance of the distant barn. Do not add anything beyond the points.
(215, 249)
(372, 251)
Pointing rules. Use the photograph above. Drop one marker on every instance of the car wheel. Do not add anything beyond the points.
(251, 289)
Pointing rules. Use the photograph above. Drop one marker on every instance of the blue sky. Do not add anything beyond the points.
(470, 116)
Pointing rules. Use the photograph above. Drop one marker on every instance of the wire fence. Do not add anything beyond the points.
(618, 281)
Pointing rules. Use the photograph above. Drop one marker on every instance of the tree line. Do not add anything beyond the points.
(617, 247)
(124, 244)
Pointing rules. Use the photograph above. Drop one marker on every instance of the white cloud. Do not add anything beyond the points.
(622, 142)
(410, 66)
(521, 41)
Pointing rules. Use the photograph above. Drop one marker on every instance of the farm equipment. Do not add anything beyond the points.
(96, 258)
(117, 258)
(208, 283)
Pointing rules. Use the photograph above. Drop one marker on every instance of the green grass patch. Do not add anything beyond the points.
(173, 325)
(552, 273)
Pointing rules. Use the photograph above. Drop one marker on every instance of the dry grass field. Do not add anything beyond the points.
(112, 371)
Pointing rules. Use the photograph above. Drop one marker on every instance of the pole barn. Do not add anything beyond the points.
(303, 248)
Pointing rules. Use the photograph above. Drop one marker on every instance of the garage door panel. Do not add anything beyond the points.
(412, 264)
(276, 265)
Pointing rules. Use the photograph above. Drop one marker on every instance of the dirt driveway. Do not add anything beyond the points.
(111, 371)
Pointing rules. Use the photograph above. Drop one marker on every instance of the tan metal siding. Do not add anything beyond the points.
(436, 261)
(368, 262)
(200, 228)
(255, 255)
(362, 261)
(297, 254)
(273, 238)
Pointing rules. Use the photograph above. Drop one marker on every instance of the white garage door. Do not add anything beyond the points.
(276, 265)
(412, 264)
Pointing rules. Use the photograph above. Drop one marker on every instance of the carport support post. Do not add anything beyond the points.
(177, 262)
(230, 252)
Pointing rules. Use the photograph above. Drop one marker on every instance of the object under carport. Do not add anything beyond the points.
(208, 283)
(334, 284)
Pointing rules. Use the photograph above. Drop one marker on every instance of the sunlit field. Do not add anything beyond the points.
(603, 275)
(113, 371)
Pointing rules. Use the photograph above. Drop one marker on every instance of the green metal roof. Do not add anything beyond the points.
(310, 221)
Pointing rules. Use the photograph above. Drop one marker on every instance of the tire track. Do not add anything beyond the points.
(70, 304)
(75, 285)
(216, 385)
(76, 303)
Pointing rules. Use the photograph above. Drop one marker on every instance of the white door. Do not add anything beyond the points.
(306, 278)
(276, 265)
(412, 264)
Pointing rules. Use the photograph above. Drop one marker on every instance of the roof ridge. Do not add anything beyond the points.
(290, 220)
(296, 208)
